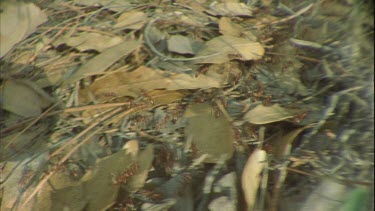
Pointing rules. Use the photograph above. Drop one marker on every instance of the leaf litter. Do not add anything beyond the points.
(156, 106)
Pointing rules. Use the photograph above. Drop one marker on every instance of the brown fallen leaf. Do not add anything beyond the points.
(145, 79)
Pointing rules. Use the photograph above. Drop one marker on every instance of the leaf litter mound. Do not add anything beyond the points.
(186, 105)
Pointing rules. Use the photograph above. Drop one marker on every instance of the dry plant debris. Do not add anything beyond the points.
(186, 105)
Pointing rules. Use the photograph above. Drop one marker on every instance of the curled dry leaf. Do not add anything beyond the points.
(267, 114)
(251, 176)
(282, 143)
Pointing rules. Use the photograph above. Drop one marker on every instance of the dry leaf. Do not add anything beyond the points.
(227, 27)
(132, 147)
(90, 41)
(264, 115)
(95, 191)
(198, 110)
(230, 9)
(209, 134)
(24, 98)
(222, 203)
(17, 21)
(164, 97)
(101, 62)
(145, 79)
(251, 176)
(180, 44)
(99, 187)
(131, 20)
(221, 49)
(18, 142)
(18, 174)
(62, 192)
(281, 144)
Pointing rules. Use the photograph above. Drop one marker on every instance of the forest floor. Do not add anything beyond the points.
(187, 105)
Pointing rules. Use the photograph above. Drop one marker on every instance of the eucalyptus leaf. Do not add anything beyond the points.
(180, 44)
(263, 115)
(211, 135)
(99, 187)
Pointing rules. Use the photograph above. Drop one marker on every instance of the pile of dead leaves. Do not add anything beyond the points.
(180, 105)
